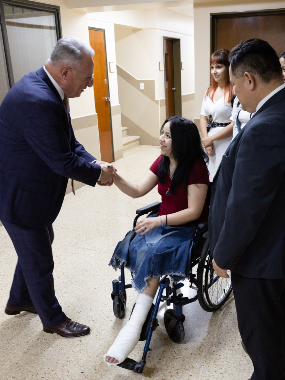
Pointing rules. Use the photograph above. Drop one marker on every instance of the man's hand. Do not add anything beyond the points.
(107, 175)
(219, 271)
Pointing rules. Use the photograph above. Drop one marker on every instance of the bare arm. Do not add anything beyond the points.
(136, 190)
(223, 134)
(196, 200)
(203, 125)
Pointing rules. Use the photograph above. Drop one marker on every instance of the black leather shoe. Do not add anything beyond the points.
(243, 346)
(68, 329)
(13, 310)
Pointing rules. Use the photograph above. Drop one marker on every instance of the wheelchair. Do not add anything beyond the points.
(212, 292)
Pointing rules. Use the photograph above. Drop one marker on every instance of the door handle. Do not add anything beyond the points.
(107, 99)
(173, 88)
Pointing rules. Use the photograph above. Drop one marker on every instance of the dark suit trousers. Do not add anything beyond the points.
(33, 279)
(260, 305)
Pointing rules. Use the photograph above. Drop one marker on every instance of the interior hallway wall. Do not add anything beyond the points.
(139, 51)
(202, 38)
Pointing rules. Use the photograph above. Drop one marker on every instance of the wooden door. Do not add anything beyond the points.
(169, 77)
(101, 94)
(228, 30)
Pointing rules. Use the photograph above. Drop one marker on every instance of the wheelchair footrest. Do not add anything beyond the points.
(185, 301)
(132, 365)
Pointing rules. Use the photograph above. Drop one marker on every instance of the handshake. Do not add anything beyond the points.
(108, 173)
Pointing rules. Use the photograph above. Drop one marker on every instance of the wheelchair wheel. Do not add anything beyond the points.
(213, 291)
(174, 326)
(119, 305)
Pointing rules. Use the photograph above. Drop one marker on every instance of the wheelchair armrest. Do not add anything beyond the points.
(146, 209)
(203, 227)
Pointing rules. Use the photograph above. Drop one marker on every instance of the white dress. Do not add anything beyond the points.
(221, 112)
(243, 116)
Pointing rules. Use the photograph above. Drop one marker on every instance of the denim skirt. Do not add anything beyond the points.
(165, 250)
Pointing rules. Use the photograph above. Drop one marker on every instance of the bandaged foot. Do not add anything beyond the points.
(129, 335)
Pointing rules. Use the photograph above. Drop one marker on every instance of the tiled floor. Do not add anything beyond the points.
(86, 232)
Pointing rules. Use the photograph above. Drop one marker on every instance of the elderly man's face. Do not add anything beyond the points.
(241, 89)
(80, 77)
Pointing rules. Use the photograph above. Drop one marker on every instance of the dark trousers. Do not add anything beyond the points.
(33, 279)
(260, 305)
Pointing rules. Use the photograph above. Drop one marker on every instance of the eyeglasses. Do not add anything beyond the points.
(88, 79)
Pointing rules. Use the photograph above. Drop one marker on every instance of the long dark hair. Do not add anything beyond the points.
(186, 149)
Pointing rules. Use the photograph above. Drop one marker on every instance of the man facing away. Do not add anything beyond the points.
(247, 216)
(38, 154)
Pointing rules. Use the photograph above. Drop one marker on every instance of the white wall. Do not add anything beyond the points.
(139, 44)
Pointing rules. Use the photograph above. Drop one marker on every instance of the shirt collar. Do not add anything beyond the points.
(263, 101)
(59, 89)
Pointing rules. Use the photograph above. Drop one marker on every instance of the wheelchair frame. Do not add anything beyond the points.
(212, 292)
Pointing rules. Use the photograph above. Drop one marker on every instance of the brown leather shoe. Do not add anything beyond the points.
(68, 329)
(13, 310)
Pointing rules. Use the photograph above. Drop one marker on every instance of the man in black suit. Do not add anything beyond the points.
(38, 154)
(247, 216)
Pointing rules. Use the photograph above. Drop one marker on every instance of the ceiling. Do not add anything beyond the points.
(185, 7)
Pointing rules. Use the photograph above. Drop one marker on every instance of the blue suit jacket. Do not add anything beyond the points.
(38, 153)
(247, 213)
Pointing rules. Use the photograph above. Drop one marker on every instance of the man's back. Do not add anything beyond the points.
(29, 189)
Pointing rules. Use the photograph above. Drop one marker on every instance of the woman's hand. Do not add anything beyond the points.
(207, 141)
(210, 150)
(147, 224)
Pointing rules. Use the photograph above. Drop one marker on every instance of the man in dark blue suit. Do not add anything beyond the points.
(38, 154)
(247, 217)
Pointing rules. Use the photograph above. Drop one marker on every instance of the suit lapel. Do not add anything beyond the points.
(68, 127)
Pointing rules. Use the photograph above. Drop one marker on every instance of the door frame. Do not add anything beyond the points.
(176, 72)
(108, 87)
(215, 16)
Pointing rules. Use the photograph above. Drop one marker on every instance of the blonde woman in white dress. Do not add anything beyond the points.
(216, 126)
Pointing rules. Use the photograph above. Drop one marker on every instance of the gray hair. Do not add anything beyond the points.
(69, 50)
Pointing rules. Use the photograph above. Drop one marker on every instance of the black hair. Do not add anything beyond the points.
(257, 57)
(282, 55)
(186, 149)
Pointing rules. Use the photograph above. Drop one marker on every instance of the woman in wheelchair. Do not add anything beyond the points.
(161, 240)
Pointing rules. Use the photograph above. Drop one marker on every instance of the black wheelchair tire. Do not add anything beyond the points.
(213, 291)
(119, 306)
(177, 333)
